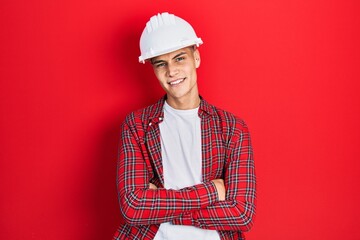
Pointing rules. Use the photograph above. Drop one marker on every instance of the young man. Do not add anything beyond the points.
(185, 167)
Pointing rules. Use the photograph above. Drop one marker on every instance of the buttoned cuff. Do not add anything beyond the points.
(207, 193)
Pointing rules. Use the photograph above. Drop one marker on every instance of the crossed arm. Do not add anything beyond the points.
(219, 184)
(207, 205)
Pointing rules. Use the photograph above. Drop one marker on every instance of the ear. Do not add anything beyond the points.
(197, 57)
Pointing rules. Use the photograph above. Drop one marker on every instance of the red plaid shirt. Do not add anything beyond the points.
(226, 154)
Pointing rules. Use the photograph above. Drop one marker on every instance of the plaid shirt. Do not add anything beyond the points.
(226, 154)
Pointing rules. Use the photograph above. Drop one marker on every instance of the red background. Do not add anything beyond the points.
(69, 74)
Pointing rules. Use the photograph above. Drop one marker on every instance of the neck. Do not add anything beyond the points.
(185, 103)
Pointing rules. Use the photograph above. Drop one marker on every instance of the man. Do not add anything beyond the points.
(185, 167)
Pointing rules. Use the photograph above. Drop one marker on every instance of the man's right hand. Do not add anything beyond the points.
(220, 187)
(152, 186)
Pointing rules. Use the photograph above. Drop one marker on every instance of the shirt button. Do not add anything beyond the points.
(160, 119)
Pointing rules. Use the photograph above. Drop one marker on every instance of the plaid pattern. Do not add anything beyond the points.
(226, 154)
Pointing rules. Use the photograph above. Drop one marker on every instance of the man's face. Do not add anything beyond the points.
(176, 72)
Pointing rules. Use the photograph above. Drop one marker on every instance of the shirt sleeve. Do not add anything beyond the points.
(237, 211)
(140, 205)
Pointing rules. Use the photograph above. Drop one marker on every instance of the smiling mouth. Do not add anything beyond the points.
(176, 82)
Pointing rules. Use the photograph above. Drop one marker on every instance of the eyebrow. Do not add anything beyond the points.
(176, 56)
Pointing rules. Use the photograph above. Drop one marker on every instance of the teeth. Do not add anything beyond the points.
(176, 82)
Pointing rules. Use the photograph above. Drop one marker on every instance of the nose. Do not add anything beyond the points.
(172, 70)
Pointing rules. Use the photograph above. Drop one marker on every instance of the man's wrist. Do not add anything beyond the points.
(208, 194)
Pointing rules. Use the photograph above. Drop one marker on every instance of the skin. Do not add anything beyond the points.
(179, 65)
(176, 72)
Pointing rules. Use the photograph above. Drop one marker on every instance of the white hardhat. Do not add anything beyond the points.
(166, 33)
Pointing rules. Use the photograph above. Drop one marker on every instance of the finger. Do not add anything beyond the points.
(152, 186)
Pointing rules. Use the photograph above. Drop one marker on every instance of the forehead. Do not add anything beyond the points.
(170, 55)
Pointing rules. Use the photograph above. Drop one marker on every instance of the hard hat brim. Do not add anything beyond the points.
(197, 42)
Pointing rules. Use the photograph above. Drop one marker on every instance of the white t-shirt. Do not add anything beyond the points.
(180, 134)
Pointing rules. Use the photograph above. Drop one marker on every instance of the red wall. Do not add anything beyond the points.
(69, 75)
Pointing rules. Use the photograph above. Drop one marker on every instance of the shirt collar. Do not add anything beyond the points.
(205, 108)
(157, 111)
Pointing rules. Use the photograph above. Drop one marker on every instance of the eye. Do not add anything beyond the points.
(179, 59)
(159, 65)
